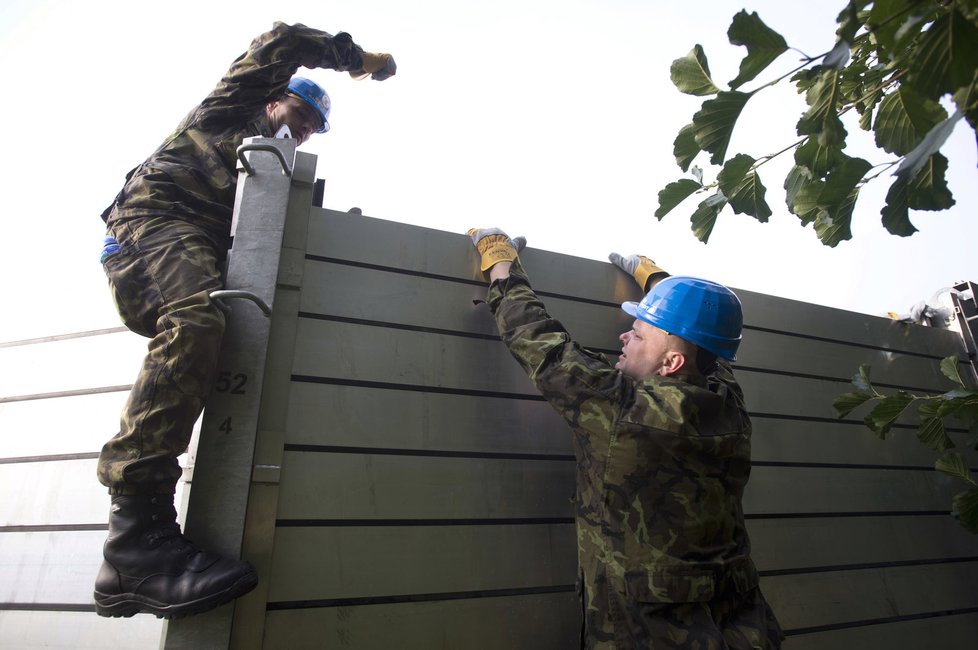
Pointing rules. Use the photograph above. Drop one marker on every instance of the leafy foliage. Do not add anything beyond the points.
(892, 63)
(960, 404)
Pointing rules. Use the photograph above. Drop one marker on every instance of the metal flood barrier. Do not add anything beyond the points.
(374, 450)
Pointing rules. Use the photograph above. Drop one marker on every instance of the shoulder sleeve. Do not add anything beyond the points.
(263, 72)
(583, 386)
(724, 376)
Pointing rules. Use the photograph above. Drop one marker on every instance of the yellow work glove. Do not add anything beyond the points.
(376, 65)
(495, 246)
(640, 267)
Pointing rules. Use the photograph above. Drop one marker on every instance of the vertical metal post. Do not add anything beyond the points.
(223, 467)
(965, 300)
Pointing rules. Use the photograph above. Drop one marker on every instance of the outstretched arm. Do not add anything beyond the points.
(262, 73)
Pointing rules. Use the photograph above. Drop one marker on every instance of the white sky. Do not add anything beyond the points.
(552, 119)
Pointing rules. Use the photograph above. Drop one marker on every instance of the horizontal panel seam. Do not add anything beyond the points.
(879, 621)
(895, 564)
(47, 607)
(411, 523)
(415, 598)
(66, 393)
(13, 460)
(64, 337)
(53, 528)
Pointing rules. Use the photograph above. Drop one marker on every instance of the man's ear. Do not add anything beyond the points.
(674, 362)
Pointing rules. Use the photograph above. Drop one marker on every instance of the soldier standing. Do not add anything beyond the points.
(662, 444)
(168, 231)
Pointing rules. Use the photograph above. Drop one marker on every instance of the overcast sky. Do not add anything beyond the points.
(550, 119)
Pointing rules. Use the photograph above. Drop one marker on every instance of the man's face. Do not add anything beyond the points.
(300, 117)
(644, 350)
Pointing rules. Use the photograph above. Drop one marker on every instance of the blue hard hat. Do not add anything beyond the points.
(702, 312)
(314, 95)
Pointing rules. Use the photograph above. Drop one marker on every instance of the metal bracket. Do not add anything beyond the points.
(219, 296)
(257, 146)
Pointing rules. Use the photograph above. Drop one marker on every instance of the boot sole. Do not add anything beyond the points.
(126, 605)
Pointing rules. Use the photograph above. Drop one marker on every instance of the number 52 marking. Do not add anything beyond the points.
(228, 383)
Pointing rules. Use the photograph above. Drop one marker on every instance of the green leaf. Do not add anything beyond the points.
(964, 100)
(950, 368)
(932, 431)
(830, 204)
(834, 227)
(904, 118)
(929, 190)
(764, 45)
(715, 121)
(965, 509)
(691, 74)
(953, 464)
(743, 188)
(805, 204)
(944, 59)
(733, 172)
(824, 98)
(797, 177)
(820, 160)
(684, 148)
(675, 193)
(841, 181)
(896, 212)
(884, 414)
(884, 25)
(930, 145)
(849, 22)
(705, 216)
(845, 403)
(748, 197)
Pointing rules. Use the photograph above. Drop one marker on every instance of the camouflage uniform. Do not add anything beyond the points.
(662, 465)
(172, 221)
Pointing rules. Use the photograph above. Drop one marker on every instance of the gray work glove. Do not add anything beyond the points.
(495, 246)
(638, 266)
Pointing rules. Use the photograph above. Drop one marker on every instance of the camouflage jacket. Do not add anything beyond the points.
(192, 175)
(661, 463)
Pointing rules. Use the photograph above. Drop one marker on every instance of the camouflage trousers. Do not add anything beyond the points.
(730, 621)
(161, 279)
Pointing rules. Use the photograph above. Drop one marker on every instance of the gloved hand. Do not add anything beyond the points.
(495, 246)
(640, 267)
(377, 65)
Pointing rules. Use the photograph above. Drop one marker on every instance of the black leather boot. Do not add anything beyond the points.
(151, 567)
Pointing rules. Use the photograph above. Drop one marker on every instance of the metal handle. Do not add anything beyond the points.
(257, 146)
(219, 296)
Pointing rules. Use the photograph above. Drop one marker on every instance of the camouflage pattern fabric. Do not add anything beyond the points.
(172, 220)
(662, 464)
(160, 280)
(192, 175)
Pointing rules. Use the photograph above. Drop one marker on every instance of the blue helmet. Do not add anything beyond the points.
(314, 95)
(702, 312)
